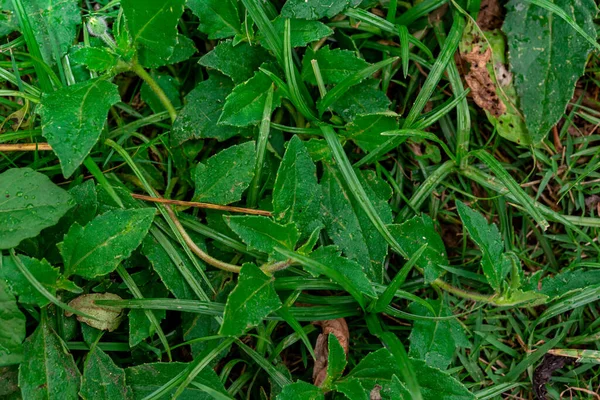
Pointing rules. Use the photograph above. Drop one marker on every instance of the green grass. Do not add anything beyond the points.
(461, 261)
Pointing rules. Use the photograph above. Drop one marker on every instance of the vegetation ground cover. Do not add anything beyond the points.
(299, 199)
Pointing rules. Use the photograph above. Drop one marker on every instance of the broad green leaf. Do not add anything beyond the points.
(261, 233)
(381, 366)
(365, 130)
(349, 227)
(315, 9)
(73, 118)
(434, 341)
(48, 371)
(238, 62)
(416, 232)
(489, 240)
(326, 260)
(47, 275)
(97, 59)
(364, 98)
(169, 85)
(335, 65)
(146, 378)
(8, 20)
(296, 194)
(250, 302)
(102, 379)
(560, 284)
(303, 32)
(223, 178)
(54, 24)
(203, 106)
(353, 389)
(336, 360)
(245, 105)
(396, 390)
(29, 202)
(301, 391)
(547, 57)
(219, 19)
(86, 203)
(99, 247)
(106, 318)
(153, 28)
(13, 328)
(437, 385)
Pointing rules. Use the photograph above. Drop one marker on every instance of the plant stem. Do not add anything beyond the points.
(146, 77)
(463, 293)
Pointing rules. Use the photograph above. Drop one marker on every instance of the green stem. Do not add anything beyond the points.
(463, 293)
(142, 73)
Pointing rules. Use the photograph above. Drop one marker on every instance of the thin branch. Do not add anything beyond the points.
(202, 205)
(25, 147)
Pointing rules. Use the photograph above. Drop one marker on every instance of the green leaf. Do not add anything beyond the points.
(29, 202)
(48, 371)
(296, 194)
(381, 366)
(353, 389)
(169, 85)
(489, 240)
(223, 178)
(48, 276)
(73, 118)
(396, 390)
(245, 105)
(54, 24)
(301, 391)
(86, 203)
(99, 247)
(335, 65)
(219, 19)
(153, 28)
(262, 234)
(315, 9)
(336, 361)
(431, 340)
(8, 22)
(365, 130)
(537, 37)
(326, 260)
(416, 232)
(102, 379)
(13, 328)
(560, 284)
(97, 59)
(437, 385)
(303, 32)
(146, 378)
(238, 62)
(364, 98)
(348, 225)
(106, 318)
(203, 106)
(250, 302)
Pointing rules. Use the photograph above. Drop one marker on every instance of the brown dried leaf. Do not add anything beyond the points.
(107, 318)
(337, 327)
(490, 15)
(479, 80)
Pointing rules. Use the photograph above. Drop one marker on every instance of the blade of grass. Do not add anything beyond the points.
(32, 46)
(261, 148)
(413, 133)
(278, 378)
(446, 54)
(386, 26)
(296, 86)
(404, 49)
(262, 21)
(390, 292)
(513, 187)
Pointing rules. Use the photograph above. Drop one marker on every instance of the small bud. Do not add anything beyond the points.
(97, 26)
